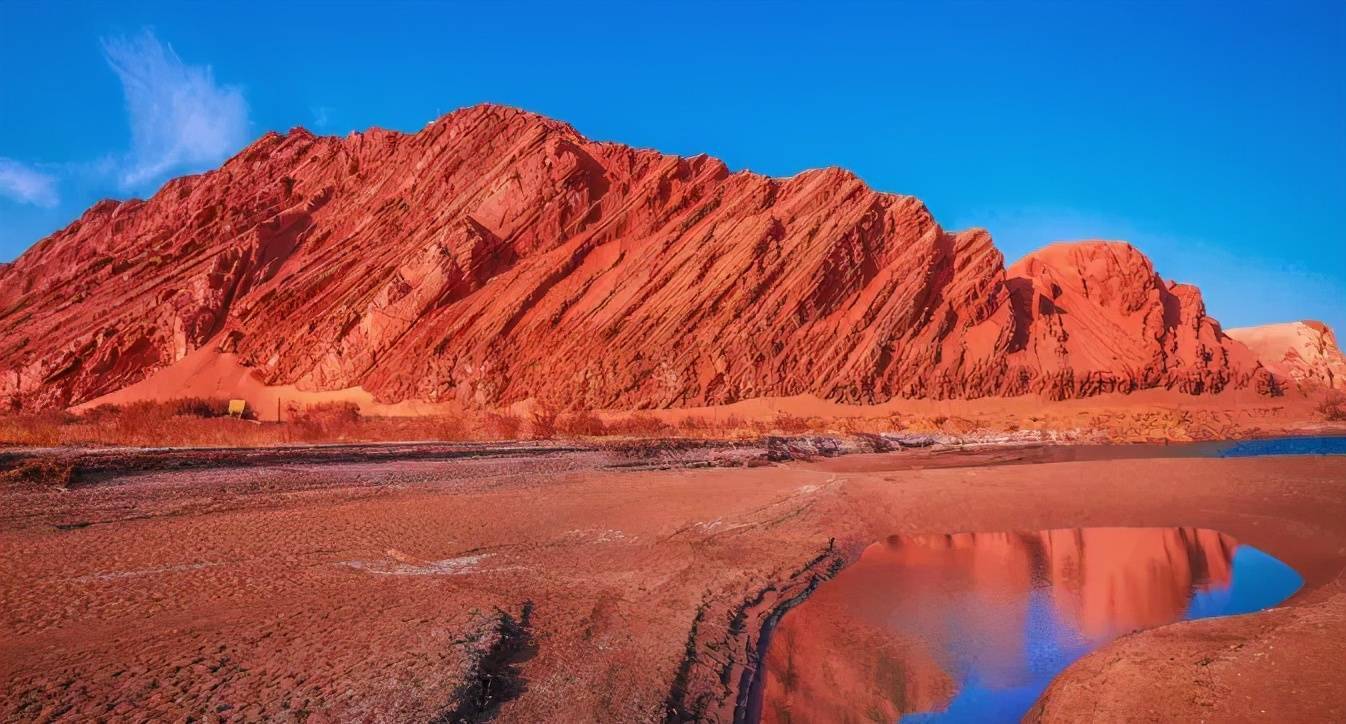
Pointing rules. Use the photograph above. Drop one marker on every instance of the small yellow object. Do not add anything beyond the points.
(237, 407)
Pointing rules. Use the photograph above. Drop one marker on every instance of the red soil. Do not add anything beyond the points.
(497, 256)
(369, 590)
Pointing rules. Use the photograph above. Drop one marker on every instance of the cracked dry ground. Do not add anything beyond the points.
(554, 587)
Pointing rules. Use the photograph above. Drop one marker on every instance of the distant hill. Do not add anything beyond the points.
(1306, 351)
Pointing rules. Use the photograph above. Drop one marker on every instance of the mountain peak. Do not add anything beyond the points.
(505, 116)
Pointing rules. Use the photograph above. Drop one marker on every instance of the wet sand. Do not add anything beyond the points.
(560, 587)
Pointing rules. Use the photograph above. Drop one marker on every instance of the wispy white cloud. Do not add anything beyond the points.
(27, 185)
(180, 118)
(322, 116)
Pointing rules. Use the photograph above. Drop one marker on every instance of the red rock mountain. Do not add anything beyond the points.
(1305, 352)
(498, 255)
(1095, 317)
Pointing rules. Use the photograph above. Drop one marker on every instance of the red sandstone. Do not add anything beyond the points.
(497, 256)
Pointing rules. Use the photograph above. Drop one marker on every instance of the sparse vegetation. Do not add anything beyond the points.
(581, 424)
(542, 422)
(324, 421)
(788, 424)
(1333, 406)
(40, 429)
(200, 421)
(638, 424)
(501, 425)
(47, 470)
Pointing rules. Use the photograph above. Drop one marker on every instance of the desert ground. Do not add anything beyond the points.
(532, 582)
(351, 375)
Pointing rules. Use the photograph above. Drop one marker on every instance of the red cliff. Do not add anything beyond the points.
(498, 255)
(1096, 317)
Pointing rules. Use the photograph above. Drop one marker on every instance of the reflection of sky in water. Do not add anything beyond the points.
(1050, 642)
(1259, 582)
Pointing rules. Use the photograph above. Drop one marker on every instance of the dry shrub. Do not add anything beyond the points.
(37, 429)
(1333, 406)
(204, 421)
(325, 420)
(136, 422)
(694, 426)
(647, 448)
(192, 421)
(736, 427)
(450, 427)
(542, 422)
(183, 420)
(502, 425)
(581, 424)
(45, 470)
(638, 424)
(202, 407)
(855, 424)
(958, 425)
(729, 426)
(789, 424)
(199, 406)
(326, 413)
(101, 414)
(849, 425)
(926, 424)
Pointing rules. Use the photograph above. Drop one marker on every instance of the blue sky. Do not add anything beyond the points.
(1211, 135)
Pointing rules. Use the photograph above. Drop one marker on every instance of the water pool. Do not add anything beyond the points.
(973, 626)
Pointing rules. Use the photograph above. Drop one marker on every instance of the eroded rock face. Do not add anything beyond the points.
(498, 255)
(1095, 317)
(1305, 352)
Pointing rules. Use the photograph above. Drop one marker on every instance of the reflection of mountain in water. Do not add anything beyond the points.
(918, 617)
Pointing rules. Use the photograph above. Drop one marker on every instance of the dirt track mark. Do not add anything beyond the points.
(495, 676)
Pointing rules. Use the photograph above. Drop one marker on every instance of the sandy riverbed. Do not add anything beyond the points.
(557, 586)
